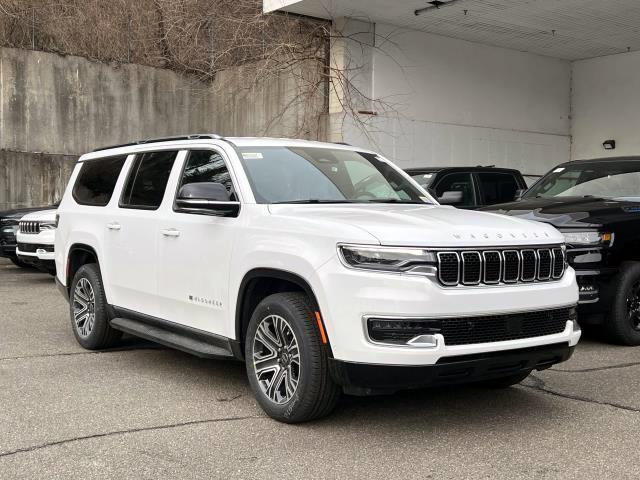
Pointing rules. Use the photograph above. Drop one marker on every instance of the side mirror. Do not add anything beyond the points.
(451, 198)
(206, 198)
(519, 193)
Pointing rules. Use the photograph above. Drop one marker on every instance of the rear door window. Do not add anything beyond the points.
(458, 182)
(497, 187)
(97, 180)
(148, 179)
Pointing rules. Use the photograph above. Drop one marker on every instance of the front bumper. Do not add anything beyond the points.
(348, 296)
(448, 370)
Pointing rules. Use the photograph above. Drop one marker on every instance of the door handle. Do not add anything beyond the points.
(113, 226)
(170, 232)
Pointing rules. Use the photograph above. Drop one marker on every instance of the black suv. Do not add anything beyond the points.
(9, 220)
(470, 187)
(596, 204)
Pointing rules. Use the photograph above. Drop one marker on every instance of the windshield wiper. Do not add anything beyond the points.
(312, 200)
(397, 200)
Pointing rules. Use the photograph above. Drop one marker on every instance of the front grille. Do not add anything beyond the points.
(34, 247)
(510, 266)
(29, 227)
(470, 330)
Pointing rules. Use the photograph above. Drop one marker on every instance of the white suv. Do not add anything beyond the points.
(324, 267)
(36, 239)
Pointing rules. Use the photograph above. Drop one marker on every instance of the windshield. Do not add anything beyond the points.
(324, 175)
(606, 179)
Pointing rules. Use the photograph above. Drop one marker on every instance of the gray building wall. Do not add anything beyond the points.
(54, 108)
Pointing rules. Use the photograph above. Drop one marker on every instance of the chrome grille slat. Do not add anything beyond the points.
(469, 267)
(29, 227)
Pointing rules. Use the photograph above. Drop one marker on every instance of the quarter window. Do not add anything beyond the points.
(97, 180)
(497, 187)
(147, 180)
(207, 166)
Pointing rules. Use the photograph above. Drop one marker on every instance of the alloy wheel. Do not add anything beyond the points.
(276, 359)
(84, 307)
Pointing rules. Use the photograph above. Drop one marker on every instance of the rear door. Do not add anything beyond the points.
(131, 238)
(497, 187)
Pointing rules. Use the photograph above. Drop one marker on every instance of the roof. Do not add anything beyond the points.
(479, 168)
(182, 141)
(601, 160)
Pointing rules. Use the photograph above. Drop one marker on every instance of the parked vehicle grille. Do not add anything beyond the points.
(33, 247)
(30, 227)
(474, 267)
(470, 330)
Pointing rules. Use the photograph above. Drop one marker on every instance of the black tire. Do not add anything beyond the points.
(100, 335)
(316, 394)
(19, 263)
(623, 328)
(504, 382)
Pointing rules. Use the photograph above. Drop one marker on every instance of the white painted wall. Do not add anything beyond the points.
(451, 102)
(606, 105)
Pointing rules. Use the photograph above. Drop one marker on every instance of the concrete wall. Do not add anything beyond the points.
(68, 105)
(32, 179)
(606, 105)
(442, 101)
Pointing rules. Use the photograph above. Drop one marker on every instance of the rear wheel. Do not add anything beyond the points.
(287, 364)
(623, 323)
(88, 304)
(504, 382)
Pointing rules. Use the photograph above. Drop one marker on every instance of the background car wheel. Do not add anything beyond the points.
(89, 317)
(623, 323)
(286, 362)
(504, 382)
(19, 263)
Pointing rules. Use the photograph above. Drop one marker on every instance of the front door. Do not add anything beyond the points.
(194, 253)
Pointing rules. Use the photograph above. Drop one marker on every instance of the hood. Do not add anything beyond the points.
(571, 211)
(18, 213)
(42, 216)
(425, 225)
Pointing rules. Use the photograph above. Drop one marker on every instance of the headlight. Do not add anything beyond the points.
(48, 225)
(388, 259)
(588, 237)
(10, 230)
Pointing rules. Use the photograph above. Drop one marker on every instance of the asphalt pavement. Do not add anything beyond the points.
(143, 411)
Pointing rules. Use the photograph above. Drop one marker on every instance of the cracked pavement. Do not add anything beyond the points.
(142, 411)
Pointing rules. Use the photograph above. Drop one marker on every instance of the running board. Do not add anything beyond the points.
(201, 344)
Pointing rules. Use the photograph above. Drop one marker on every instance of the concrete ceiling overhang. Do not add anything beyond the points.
(566, 29)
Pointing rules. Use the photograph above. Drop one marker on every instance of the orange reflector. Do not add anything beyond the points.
(323, 335)
(606, 237)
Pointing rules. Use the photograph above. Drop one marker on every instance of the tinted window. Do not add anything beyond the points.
(148, 180)
(497, 187)
(207, 166)
(312, 175)
(423, 179)
(458, 182)
(96, 180)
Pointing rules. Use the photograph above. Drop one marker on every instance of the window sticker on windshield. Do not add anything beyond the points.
(558, 170)
(252, 156)
(427, 175)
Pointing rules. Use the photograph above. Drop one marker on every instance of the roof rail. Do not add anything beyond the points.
(194, 136)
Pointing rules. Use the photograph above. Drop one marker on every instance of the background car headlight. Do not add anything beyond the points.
(588, 237)
(387, 259)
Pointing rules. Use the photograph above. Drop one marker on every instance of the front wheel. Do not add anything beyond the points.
(623, 323)
(287, 364)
